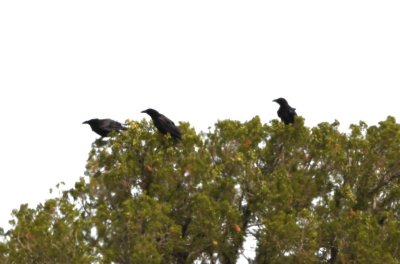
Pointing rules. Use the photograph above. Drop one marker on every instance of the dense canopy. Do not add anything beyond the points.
(305, 195)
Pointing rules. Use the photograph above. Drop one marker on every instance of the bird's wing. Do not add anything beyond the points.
(117, 126)
(292, 110)
(169, 126)
(110, 125)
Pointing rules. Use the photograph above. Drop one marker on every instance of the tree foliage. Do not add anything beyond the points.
(307, 195)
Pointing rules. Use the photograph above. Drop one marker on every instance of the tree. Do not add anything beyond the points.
(306, 194)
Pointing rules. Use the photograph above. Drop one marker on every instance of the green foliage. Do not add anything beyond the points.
(307, 196)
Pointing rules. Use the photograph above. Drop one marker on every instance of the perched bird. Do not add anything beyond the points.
(285, 111)
(104, 126)
(163, 123)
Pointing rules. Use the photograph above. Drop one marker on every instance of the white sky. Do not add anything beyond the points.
(63, 62)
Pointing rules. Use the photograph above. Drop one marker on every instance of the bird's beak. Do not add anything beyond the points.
(144, 111)
(274, 100)
(86, 122)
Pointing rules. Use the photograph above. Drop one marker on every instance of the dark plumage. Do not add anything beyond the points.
(163, 123)
(104, 126)
(285, 111)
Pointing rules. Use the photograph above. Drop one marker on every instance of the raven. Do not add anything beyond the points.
(163, 123)
(104, 126)
(285, 111)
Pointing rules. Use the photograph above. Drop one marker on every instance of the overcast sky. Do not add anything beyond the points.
(63, 62)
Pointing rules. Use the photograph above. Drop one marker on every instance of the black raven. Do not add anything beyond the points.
(285, 111)
(163, 123)
(104, 126)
